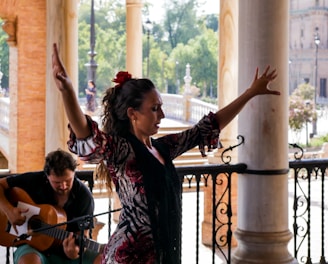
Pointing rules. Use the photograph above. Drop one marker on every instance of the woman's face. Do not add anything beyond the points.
(145, 120)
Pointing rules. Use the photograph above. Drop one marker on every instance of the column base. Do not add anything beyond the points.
(262, 248)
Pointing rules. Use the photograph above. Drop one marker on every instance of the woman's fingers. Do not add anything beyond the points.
(256, 76)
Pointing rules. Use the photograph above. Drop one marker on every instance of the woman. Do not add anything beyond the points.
(141, 167)
(90, 92)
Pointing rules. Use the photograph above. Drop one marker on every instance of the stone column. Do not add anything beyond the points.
(134, 37)
(24, 23)
(13, 135)
(62, 19)
(263, 232)
(228, 91)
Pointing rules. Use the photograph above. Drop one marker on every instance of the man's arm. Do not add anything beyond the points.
(15, 215)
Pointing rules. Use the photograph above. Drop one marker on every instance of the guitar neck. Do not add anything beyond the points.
(61, 234)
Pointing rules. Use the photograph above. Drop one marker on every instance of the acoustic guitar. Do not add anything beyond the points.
(45, 237)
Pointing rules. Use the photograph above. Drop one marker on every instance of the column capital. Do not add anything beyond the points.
(133, 3)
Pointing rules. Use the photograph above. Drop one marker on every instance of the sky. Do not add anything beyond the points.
(156, 11)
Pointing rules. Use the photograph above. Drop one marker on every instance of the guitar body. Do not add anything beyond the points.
(49, 214)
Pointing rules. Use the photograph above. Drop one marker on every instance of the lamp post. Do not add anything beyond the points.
(307, 107)
(92, 65)
(316, 42)
(149, 27)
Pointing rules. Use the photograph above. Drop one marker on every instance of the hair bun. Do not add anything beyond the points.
(122, 77)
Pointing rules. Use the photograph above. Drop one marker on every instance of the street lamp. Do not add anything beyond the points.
(316, 42)
(149, 27)
(92, 65)
(307, 106)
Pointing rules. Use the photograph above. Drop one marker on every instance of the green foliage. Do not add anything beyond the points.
(212, 22)
(4, 58)
(318, 141)
(183, 37)
(110, 46)
(201, 53)
(304, 91)
(180, 21)
(301, 107)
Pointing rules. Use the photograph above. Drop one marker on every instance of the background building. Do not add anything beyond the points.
(308, 58)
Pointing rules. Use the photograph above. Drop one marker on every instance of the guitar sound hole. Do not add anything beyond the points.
(34, 223)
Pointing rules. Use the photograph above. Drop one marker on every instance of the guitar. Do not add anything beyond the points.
(48, 216)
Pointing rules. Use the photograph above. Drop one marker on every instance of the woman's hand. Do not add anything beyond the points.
(260, 85)
(75, 115)
(62, 80)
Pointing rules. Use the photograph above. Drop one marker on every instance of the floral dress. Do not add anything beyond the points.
(149, 227)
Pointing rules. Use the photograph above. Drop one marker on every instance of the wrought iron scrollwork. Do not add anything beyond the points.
(297, 155)
(228, 158)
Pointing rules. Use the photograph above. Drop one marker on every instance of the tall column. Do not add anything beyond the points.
(27, 63)
(13, 138)
(134, 37)
(62, 19)
(228, 91)
(263, 232)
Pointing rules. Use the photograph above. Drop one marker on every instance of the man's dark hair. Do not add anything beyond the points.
(58, 161)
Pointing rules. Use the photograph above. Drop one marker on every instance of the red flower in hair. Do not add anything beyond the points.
(122, 77)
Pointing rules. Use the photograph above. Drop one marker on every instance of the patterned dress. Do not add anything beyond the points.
(149, 228)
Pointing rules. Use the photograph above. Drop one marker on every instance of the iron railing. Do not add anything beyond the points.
(310, 177)
(214, 176)
(309, 208)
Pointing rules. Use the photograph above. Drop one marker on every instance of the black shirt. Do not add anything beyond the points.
(37, 186)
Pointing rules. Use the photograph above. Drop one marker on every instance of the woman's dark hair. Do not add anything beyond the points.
(118, 99)
(58, 161)
(92, 82)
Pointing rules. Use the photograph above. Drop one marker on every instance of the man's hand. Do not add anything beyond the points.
(70, 248)
(17, 217)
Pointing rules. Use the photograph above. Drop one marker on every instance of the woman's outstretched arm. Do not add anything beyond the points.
(73, 110)
(259, 86)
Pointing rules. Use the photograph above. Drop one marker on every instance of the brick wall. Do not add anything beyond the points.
(27, 88)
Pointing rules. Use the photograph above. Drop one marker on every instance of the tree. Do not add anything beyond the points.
(201, 53)
(4, 58)
(301, 107)
(110, 29)
(180, 21)
(191, 41)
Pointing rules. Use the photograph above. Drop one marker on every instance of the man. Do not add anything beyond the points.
(56, 186)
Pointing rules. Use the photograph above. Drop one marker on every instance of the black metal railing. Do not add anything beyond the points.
(309, 208)
(214, 176)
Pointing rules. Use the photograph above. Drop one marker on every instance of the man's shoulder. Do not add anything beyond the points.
(26, 176)
(80, 186)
